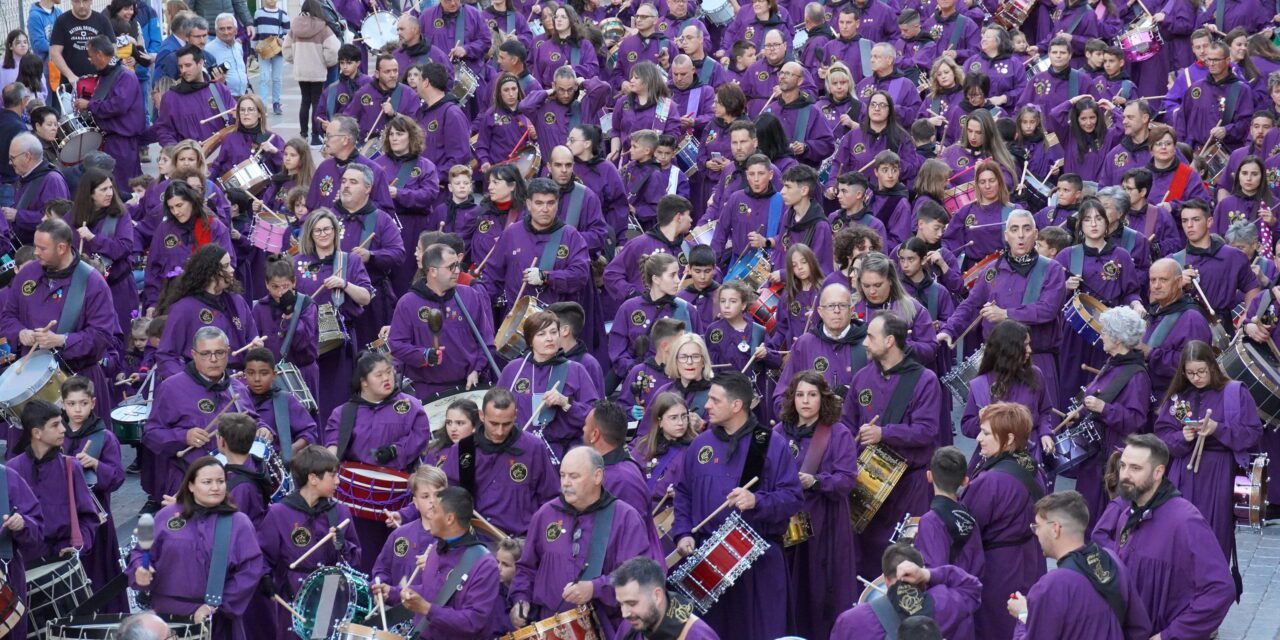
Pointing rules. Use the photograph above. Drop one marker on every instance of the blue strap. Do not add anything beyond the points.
(1128, 239)
(698, 403)
(459, 25)
(1073, 82)
(298, 306)
(682, 314)
(1035, 280)
(218, 561)
(931, 300)
(575, 113)
(70, 315)
(574, 210)
(1233, 96)
(575, 54)
(96, 440)
(1163, 328)
(367, 227)
(1077, 260)
(548, 258)
(888, 617)
(757, 336)
(29, 191)
(558, 374)
(6, 536)
(405, 172)
(864, 51)
(600, 530)
(802, 123)
(458, 574)
(1180, 258)
(475, 333)
(775, 215)
(284, 426)
(709, 66)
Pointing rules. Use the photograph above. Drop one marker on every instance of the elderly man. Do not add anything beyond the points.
(377, 102)
(834, 348)
(445, 127)
(342, 137)
(38, 183)
(644, 42)
(459, 353)
(143, 626)
(212, 10)
(511, 465)
(459, 30)
(370, 234)
(649, 611)
(178, 430)
(225, 50)
(543, 254)
(114, 105)
(806, 129)
(1175, 319)
(763, 75)
(190, 110)
(70, 36)
(413, 48)
(575, 541)
(694, 99)
(886, 77)
(1217, 107)
(571, 101)
(947, 593)
(1157, 533)
(692, 41)
(1022, 286)
(736, 450)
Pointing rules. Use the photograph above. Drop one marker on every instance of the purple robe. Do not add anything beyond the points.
(1109, 276)
(902, 91)
(417, 183)
(273, 324)
(49, 484)
(622, 275)
(288, 530)
(1183, 322)
(815, 568)
(837, 359)
(180, 557)
(327, 183)
(1089, 162)
(512, 478)
(1050, 88)
(366, 106)
(103, 560)
(335, 97)
(605, 181)
(755, 606)
(467, 613)
(528, 379)
(639, 387)
(854, 52)
(934, 538)
(1007, 74)
(1211, 103)
(447, 132)
(21, 501)
(302, 427)
(443, 30)
(549, 55)
(955, 596)
(957, 32)
(566, 269)
(115, 250)
(183, 402)
(1036, 399)
(816, 136)
(632, 322)
(336, 365)
(920, 331)
(247, 488)
(636, 48)
(1089, 616)
(238, 146)
(411, 337)
(696, 101)
(228, 312)
(1225, 274)
(31, 194)
(386, 255)
(117, 114)
(501, 134)
(399, 555)
(760, 79)
(185, 106)
(1162, 183)
(1127, 412)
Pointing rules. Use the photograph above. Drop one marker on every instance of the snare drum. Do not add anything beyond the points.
(764, 309)
(873, 591)
(1142, 41)
(1251, 494)
(127, 420)
(378, 31)
(11, 607)
(1215, 162)
(799, 39)
(687, 156)
(78, 134)
(717, 12)
(106, 626)
(1036, 66)
(1012, 13)
(972, 274)
(1081, 313)
(575, 624)
(752, 268)
(958, 378)
(699, 235)
(38, 376)
(955, 198)
(510, 338)
(369, 491)
(606, 124)
(1075, 446)
(714, 566)
(268, 234)
(329, 597)
(879, 470)
(612, 30)
(55, 590)
(905, 531)
(372, 148)
(1245, 362)
(353, 631)
(251, 175)
(799, 529)
(465, 83)
(528, 159)
(332, 332)
(291, 380)
(437, 405)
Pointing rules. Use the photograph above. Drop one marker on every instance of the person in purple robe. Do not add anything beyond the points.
(887, 79)
(750, 218)
(445, 126)
(952, 31)
(880, 291)
(623, 276)
(1081, 125)
(660, 451)
(645, 180)
(693, 99)
(848, 47)
(342, 143)
(1221, 273)
(945, 594)
(415, 186)
(114, 105)
(809, 136)
(739, 460)
(743, 143)
(832, 347)
(642, 381)
(825, 452)
(414, 49)
(502, 207)
(552, 575)
(180, 428)
(1051, 87)
(299, 521)
(649, 610)
(411, 533)
(566, 44)
(1002, 497)
(605, 431)
(205, 295)
(288, 321)
(1174, 320)
(645, 44)
(459, 30)
(553, 394)
(503, 130)
(645, 103)
(105, 228)
(457, 353)
(1132, 151)
(754, 23)
(687, 369)
(57, 480)
(1149, 221)
(1210, 424)
(59, 301)
(947, 533)
(876, 132)
(39, 182)
(513, 467)
(628, 343)
(374, 104)
(289, 426)
(22, 528)
(1248, 202)
(1217, 107)
(250, 138)
(1173, 181)
(1005, 70)
(580, 207)
(1260, 125)
(1022, 285)
(894, 401)
(803, 220)
(976, 228)
(248, 483)
(193, 109)
(174, 571)
(455, 608)
(760, 81)
(455, 209)
(1184, 584)
(370, 235)
(1105, 599)
(96, 450)
(1006, 374)
(600, 176)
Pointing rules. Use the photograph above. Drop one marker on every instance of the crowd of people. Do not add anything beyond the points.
(548, 302)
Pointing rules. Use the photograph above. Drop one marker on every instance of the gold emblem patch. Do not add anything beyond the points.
(301, 537)
(206, 316)
(859, 148)
(326, 186)
(401, 547)
(485, 225)
(562, 252)
(1110, 270)
(424, 313)
(962, 161)
(170, 241)
(1122, 158)
(555, 56)
(795, 307)
(705, 453)
(549, 118)
(970, 220)
(205, 406)
(638, 318)
(28, 287)
(521, 386)
(715, 336)
(176, 523)
(366, 100)
(417, 171)
(991, 275)
(554, 531)
(1195, 93)
(820, 364)
(433, 126)
(632, 56)
(401, 407)
(864, 397)
(909, 598)
(519, 472)
(762, 76)
(439, 23)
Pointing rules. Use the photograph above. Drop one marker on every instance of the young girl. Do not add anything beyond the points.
(286, 315)
(461, 419)
(1086, 134)
(734, 339)
(1250, 200)
(661, 452)
(800, 290)
(1038, 154)
(507, 555)
(660, 274)
(297, 168)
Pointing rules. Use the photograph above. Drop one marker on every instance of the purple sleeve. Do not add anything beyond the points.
(839, 471)
(575, 272)
(390, 251)
(1048, 306)
(468, 616)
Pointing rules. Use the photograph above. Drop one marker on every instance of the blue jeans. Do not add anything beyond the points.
(7, 191)
(272, 73)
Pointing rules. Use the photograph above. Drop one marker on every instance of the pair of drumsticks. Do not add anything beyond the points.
(674, 557)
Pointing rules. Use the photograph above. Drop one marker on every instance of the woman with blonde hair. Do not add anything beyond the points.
(946, 90)
(250, 138)
(415, 183)
(838, 107)
(689, 367)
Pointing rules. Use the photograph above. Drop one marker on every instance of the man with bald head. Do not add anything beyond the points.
(760, 78)
(143, 626)
(574, 542)
(413, 48)
(694, 99)
(833, 347)
(886, 77)
(1173, 320)
(571, 100)
(692, 41)
(806, 129)
(579, 205)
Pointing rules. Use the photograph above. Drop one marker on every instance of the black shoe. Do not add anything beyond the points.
(316, 141)
(151, 506)
(133, 469)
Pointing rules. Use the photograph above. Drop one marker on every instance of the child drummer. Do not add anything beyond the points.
(278, 409)
(297, 523)
(44, 467)
(410, 540)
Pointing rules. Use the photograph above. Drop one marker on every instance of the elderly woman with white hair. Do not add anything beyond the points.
(1117, 402)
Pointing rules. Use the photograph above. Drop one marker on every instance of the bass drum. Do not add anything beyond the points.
(437, 406)
(1245, 362)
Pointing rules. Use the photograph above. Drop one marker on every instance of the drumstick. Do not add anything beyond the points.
(479, 267)
(1213, 316)
(871, 584)
(375, 125)
(245, 347)
(750, 362)
(218, 115)
(1198, 450)
(209, 427)
(969, 328)
(287, 607)
(665, 496)
(365, 242)
(750, 483)
(481, 523)
(523, 282)
(333, 532)
(538, 409)
(23, 362)
(519, 143)
(767, 103)
(1257, 319)
(382, 606)
(1088, 369)
(426, 555)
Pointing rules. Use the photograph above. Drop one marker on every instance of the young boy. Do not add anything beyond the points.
(572, 319)
(138, 186)
(646, 377)
(664, 154)
(1113, 83)
(456, 212)
(1095, 50)
(43, 466)
(948, 533)
(925, 138)
(643, 178)
(294, 524)
(285, 314)
(1070, 189)
(90, 440)
(700, 293)
(892, 201)
(131, 372)
(57, 208)
(410, 540)
(1051, 241)
(247, 481)
(507, 555)
(291, 425)
(939, 262)
(743, 53)
(852, 191)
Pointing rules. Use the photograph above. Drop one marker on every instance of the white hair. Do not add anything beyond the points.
(1018, 213)
(1123, 324)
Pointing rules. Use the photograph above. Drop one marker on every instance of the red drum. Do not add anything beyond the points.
(1013, 13)
(86, 85)
(972, 274)
(369, 490)
(955, 198)
(704, 576)
(575, 624)
(764, 310)
(11, 608)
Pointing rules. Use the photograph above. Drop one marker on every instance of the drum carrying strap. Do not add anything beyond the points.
(775, 215)
(368, 226)
(298, 306)
(802, 123)
(1219, 18)
(817, 447)
(405, 172)
(864, 48)
(575, 55)
(1035, 280)
(754, 464)
(709, 67)
(93, 449)
(77, 538)
(451, 585)
(901, 396)
(550, 250)
(29, 191)
(346, 424)
(459, 26)
(1073, 77)
(1128, 239)
(1075, 22)
(599, 544)
(931, 299)
(1233, 94)
(284, 426)
(106, 82)
(6, 538)
(1178, 186)
(475, 333)
(558, 374)
(467, 463)
(218, 560)
(573, 212)
(217, 100)
(338, 297)
(1163, 328)
(887, 616)
(575, 113)
(1077, 260)
(695, 101)
(681, 313)
(70, 315)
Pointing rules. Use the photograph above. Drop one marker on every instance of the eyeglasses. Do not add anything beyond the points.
(1035, 526)
(212, 355)
(455, 267)
(878, 105)
(835, 306)
(689, 358)
(1198, 373)
(645, 16)
(772, 45)
(1162, 144)
(322, 231)
(1208, 60)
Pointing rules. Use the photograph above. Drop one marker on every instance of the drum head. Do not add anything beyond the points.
(437, 405)
(329, 597)
(21, 381)
(76, 146)
(131, 412)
